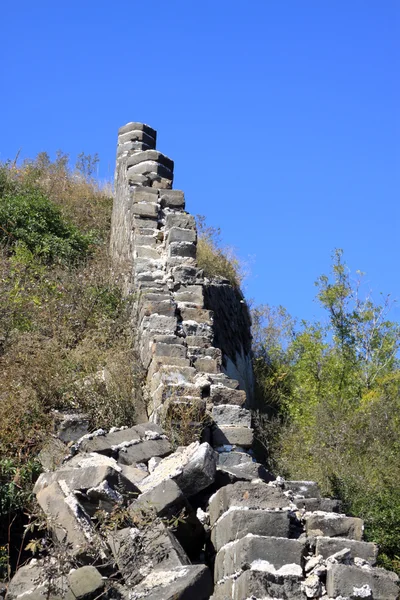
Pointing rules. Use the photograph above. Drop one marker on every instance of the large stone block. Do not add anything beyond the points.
(145, 209)
(144, 451)
(179, 219)
(221, 394)
(319, 504)
(344, 580)
(229, 414)
(184, 249)
(143, 194)
(334, 525)
(192, 582)
(235, 436)
(265, 585)
(172, 199)
(138, 552)
(238, 522)
(193, 468)
(246, 495)
(135, 126)
(245, 472)
(177, 234)
(326, 546)
(151, 167)
(110, 443)
(240, 554)
(150, 155)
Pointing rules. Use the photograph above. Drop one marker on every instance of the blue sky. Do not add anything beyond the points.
(282, 118)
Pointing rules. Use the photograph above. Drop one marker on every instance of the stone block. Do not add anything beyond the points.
(187, 274)
(161, 183)
(137, 136)
(265, 585)
(198, 341)
(307, 489)
(233, 459)
(52, 454)
(110, 443)
(246, 496)
(146, 252)
(334, 525)
(150, 155)
(164, 307)
(193, 468)
(85, 583)
(71, 426)
(230, 414)
(180, 583)
(134, 126)
(223, 380)
(66, 519)
(239, 522)
(145, 209)
(177, 234)
(172, 199)
(165, 499)
(342, 580)
(145, 225)
(240, 554)
(184, 249)
(159, 323)
(137, 552)
(174, 350)
(221, 394)
(245, 472)
(179, 219)
(233, 436)
(321, 504)
(143, 451)
(200, 315)
(150, 167)
(143, 194)
(190, 293)
(326, 546)
(145, 240)
(206, 364)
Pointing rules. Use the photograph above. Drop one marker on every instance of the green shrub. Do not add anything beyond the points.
(28, 217)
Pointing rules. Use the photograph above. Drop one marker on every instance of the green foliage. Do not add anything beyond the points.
(334, 390)
(29, 218)
(216, 260)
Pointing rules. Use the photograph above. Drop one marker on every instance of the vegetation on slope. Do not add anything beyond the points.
(64, 338)
(329, 402)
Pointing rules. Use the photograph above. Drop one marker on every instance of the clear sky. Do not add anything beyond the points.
(282, 118)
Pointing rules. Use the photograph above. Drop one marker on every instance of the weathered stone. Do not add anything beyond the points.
(193, 468)
(179, 219)
(263, 584)
(135, 126)
(85, 583)
(31, 581)
(150, 155)
(200, 315)
(185, 249)
(138, 552)
(110, 443)
(143, 194)
(245, 495)
(172, 199)
(146, 252)
(71, 426)
(307, 489)
(52, 454)
(143, 451)
(233, 459)
(200, 341)
(221, 394)
(66, 518)
(190, 293)
(334, 525)
(241, 521)
(207, 364)
(245, 472)
(341, 580)
(186, 274)
(326, 546)
(180, 583)
(160, 323)
(145, 209)
(178, 234)
(318, 504)
(240, 554)
(174, 350)
(151, 167)
(165, 499)
(235, 436)
(228, 414)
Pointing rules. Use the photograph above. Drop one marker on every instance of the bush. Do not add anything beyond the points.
(215, 260)
(28, 217)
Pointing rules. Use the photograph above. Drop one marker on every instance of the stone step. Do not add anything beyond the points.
(343, 580)
(327, 546)
(334, 525)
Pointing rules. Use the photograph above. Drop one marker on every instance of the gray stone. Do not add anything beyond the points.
(200, 315)
(221, 394)
(244, 472)
(135, 126)
(326, 546)
(235, 436)
(86, 583)
(165, 499)
(150, 155)
(186, 274)
(239, 522)
(71, 426)
(147, 252)
(308, 489)
(192, 582)
(142, 452)
(241, 553)
(245, 495)
(52, 454)
(66, 519)
(190, 293)
(265, 585)
(199, 341)
(145, 209)
(109, 443)
(193, 468)
(342, 579)
(151, 167)
(334, 525)
(318, 504)
(143, 194)
(233, 459)
(185, 249)
(172, 199)
(179, 219)
(138, 552)
(228, 414)
(177, 234)
(174, 350)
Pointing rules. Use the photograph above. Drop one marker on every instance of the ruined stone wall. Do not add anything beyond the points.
(193, 335)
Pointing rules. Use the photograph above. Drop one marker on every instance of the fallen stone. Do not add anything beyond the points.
(180, 583)
(342, 579)
(110, 443)
(228, 414)
(193, 468)
(327, 546)
(235, 436)
(285, 585)
(245, 472)
(85, 583)
(144, 451)
(137, 552)
(334, 525)
(233, 459)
